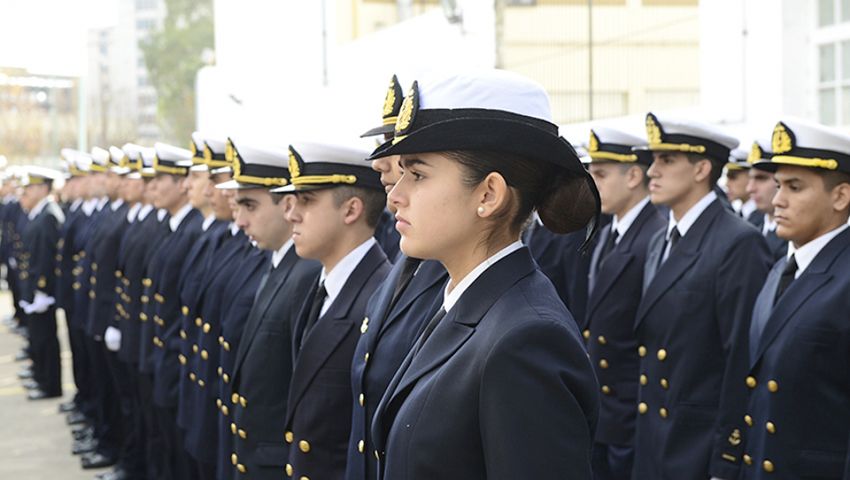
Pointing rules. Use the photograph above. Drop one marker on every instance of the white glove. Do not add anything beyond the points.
(27, 306)
(12, 262)
(112, 338)
(40, 303)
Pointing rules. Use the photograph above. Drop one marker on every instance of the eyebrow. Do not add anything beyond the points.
(245, 201)
(407, 162)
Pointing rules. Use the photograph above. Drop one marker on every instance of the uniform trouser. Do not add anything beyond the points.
(612, 462)
(81, 365)
(16, 297)
(107, 420)
(175, 458)
(153, 442)
(44, 351)
(131, 455)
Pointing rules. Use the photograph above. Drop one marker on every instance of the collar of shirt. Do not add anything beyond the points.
(690, 218)
(89, 206)
(101, 202)
(805, 254)
(278, 254)
(9, 198)
(234, 229)
(769, 225)
(622, 225)
(208, 221)
(176, 219)
(451, 297)
(144, 211)
(748, 207)
(76, 205)
(336, 278)
(160, 214)
(38, 208)
(133, 211)
(116, 204)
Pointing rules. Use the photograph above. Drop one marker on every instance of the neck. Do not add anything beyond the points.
(681, 207)
(464, 261)
(205, 211)
(631, 203)
(281, 241)
(173, 211)
(342, 247)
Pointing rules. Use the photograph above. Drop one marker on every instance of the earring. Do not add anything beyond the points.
(480, 210)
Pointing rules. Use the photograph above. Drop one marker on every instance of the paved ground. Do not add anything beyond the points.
(35, 443)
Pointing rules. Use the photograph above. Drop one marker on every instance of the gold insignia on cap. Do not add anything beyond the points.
(229, 151)
(294, 165)
(593, 143)
(390, 99)
(409, 107)
(653, 131)
(782, 142)
(193, 148)
(756, 153)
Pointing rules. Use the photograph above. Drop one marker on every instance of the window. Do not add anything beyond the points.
(834, 83)
(826, 12)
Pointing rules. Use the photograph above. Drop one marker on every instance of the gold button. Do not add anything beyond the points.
(207, 328)
(243, 434)
(221, 340)
(751, 382)
(642, 408)
(304, 478)
(224, 410)
(198, 322)
(362, 399)
(603, 363)
(361, 445)
(664, 384)
(218, 402)
(601, 340)
(663, 412)
(768, 466)
(772, 386)
(289, 469)
(662, 354)
(204, 355)
(201, 383)
(377, 455)
(748, 459)
(748, 420)
(183, 334)
(643, 380)
(243, 401)
(586, 333)
(771, 428)
(220, 370)
(288, 436)
(185, 310)
(606, 389)
(226, 346)
(241, 468)
(226, 378)
(195, 348)
(234, 459)
(234, 398)
(192, 376)
(366, 357)
(233, 428)
(182, 359)
(304, 446)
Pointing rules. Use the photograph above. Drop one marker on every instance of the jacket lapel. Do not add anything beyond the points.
(330, 329)
(429, 274)
(592, 276)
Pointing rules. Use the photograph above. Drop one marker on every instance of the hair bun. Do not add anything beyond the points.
(571, 204)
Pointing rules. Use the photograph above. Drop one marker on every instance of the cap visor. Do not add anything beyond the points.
(382, 130)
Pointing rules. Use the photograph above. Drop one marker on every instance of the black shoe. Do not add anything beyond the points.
(84, 446)
(39, 394)
(96, 460)
(117, 474)
(21, 356)
(67, 407)
(81, 433)
(30, 384)
(25, 373)
(75, 418)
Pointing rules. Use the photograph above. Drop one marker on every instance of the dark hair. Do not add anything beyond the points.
(832, 179)
(716, 167)
(625, 167)
(374, 201)
(533, 181)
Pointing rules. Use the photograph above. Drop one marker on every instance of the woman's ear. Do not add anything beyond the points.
(493, 195)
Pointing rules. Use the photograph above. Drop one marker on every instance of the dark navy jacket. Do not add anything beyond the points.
(385, 339)
(102, 251)
(615, 291)
(502, 388)
(798, 375)
(318, 418)
(693, 327)
(37, 262)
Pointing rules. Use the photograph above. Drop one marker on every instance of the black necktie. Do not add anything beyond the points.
(429, 329)
(407, 272)
(674, 239)
(787, 277)
(607, 248)
(315, 310)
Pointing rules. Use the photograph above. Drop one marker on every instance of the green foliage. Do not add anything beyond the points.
(173, 56)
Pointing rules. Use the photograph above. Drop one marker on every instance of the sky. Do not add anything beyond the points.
(49, 36)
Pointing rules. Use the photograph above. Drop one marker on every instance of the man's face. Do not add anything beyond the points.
(31, 195)
(736, 185)
(761, 187)
(804, 209)
(113, 185)
(263, 220)
(316, 222)
(134, 190)
(612, 182)
(198, 182)
(390, 172)
(672, 177)
(171, 191)
(219, 199)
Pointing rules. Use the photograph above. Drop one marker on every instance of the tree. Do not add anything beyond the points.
(173, 55)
